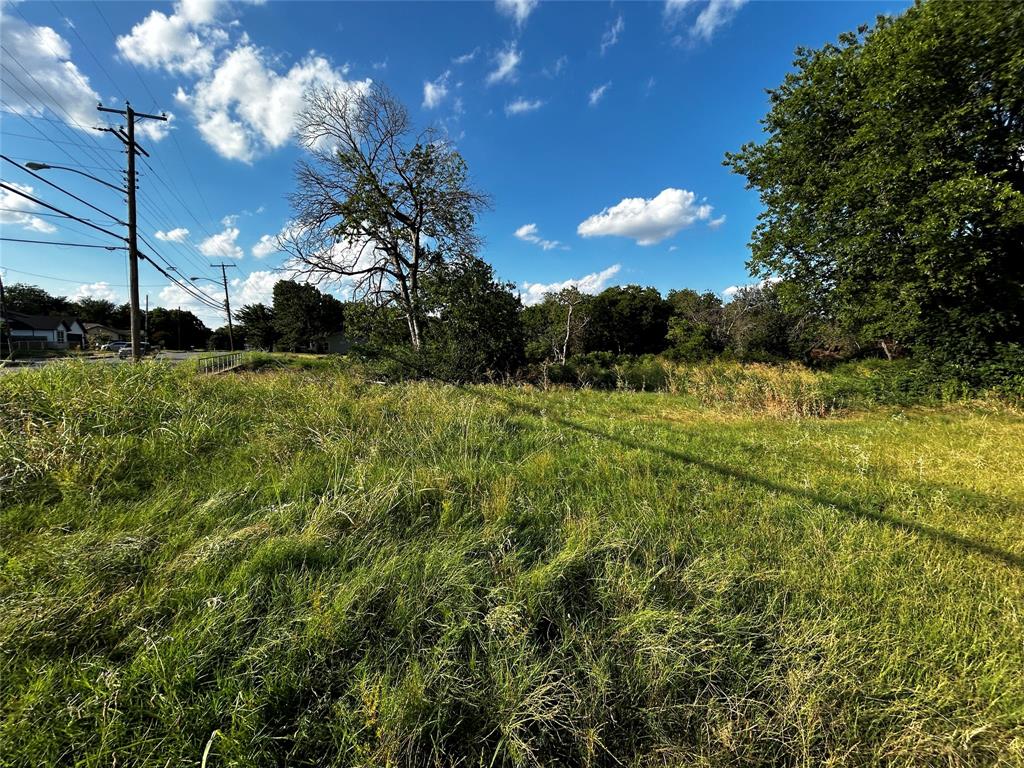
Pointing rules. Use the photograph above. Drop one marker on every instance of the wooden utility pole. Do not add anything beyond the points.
(132, 149)
(5, 332)
(227, 301)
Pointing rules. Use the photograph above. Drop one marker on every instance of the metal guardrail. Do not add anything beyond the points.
(218, 363)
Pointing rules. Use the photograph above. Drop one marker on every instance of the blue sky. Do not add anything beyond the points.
(598, 128)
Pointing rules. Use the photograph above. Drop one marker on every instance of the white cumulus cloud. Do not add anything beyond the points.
(435, 91)
(176, 235)
(519, 10)
(519, 106)
(267, 245)
(505, 63)
(716, 223)
(40, 55)
(648, 221)
(223, 243)
(184, 42)
(531, 234)
(16, 210)
(98, 290)
(595, 282)
(245, 107)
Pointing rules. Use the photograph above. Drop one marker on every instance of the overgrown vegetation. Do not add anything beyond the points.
(306, 568)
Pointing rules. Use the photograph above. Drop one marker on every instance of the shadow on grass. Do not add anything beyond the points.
(853, 508)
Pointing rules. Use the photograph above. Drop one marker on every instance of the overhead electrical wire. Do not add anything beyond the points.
(70, 280)
(73, 245)
(59, 188)
(37, 201)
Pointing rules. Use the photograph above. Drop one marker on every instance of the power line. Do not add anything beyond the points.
(131, 63)
(61, 189)
(70, 280)
(88, 50)
(73, 245)
(174, 138)
(54, 101)
(28, 212)
(37, 201)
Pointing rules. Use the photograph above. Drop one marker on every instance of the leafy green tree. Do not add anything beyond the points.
(628, 320)
(257, 320)
(304, 317)
(377, 205)
(755, 324)
(695, 329)
(176, 329)
(555, 327)
(220, 338)
(92, 310)
(33, 300)
(474, 328)
(892, 178)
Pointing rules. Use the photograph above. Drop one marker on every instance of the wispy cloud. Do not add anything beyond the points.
(611, 35)
(466, 57)
(520, 106)
(505, 63)
(519, 10)
(529, 233)
(598, 93)
(713, 15)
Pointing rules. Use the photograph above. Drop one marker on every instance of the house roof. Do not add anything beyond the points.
(36, 322)
(101, 327)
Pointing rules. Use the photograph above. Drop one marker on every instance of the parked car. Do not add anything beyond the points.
(114, 346)
(126, 351)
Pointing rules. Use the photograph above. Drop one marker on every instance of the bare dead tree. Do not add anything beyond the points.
(375, 205)
(571, 298)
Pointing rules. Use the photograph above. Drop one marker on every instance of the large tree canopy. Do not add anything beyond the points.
(892, 177)
(378, 206)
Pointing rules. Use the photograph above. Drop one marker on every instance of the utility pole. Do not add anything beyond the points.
(227, 301)
(147, 318)
(128, 139)
(3, 321)
(178, 315)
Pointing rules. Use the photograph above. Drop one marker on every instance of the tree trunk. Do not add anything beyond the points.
(568, 330)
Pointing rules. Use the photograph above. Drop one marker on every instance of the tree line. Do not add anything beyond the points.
(892, 180)
(891, 175)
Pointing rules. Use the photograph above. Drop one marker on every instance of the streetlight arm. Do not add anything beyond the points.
(44, 166)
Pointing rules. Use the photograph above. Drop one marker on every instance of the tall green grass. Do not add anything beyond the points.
(302, 567)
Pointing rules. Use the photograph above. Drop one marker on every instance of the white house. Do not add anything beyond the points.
(44, 332)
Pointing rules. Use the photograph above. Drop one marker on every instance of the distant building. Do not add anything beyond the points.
(99, 334)
(45, 332)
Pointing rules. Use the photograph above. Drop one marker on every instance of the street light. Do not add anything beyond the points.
(44, 166)
(132, 230)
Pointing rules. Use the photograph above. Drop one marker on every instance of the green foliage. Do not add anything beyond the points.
(298, 567)
(177, 329)
(258, 323)
(475, 330)
(627, 320)
(33, 300)
(893, 181)
(696, 327)
(304, 317)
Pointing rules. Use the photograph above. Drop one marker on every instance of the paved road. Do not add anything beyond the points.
(166, 357)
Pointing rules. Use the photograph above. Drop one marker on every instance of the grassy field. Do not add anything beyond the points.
(289, 567)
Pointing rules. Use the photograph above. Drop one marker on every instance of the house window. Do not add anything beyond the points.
(60, 337)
